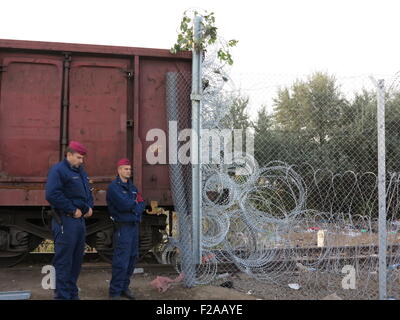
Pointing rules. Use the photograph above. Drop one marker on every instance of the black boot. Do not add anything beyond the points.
(128, 294)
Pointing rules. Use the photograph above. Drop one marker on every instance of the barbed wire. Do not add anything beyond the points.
(269, 224)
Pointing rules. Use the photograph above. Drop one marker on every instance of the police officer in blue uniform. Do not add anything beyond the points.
(69, 194)
(125, 205)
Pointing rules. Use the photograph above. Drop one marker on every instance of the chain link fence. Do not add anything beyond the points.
(295, 214)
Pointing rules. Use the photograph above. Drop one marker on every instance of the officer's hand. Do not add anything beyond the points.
(78, 213)
(89, 213)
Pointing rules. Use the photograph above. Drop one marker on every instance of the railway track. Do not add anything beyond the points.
(287, 258)
(92, 261)
(276, 258)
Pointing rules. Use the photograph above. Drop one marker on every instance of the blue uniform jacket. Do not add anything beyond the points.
(121, 201)
(68, 189)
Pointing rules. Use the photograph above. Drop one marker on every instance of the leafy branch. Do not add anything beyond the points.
(209, 36)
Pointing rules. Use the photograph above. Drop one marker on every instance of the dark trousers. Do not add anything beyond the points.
(126, 248)
(69, 247)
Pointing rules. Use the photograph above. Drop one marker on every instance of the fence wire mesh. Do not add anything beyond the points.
(296, 216)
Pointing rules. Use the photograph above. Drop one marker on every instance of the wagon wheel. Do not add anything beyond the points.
(10, 259)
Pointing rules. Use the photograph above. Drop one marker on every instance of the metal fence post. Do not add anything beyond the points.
(382, 189)
(196, 142)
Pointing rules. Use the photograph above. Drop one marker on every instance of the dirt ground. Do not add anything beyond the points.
(95, 278)
(94, 282)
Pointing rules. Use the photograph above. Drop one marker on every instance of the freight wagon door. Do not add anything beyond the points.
(30, 100)
(98, 112)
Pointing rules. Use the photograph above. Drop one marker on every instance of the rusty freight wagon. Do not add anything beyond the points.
(106, 97)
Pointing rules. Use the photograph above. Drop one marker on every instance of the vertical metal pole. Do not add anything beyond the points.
(196, 142)
(382, 189)
(65, 105)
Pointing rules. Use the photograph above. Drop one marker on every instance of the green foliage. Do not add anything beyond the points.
(314, 107)
(237, 117)
(209, 36)
(321, 133)
(313, 123)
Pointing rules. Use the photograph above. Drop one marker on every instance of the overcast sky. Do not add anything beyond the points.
(289, 37)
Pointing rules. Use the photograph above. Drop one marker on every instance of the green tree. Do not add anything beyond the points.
(237, 116)
(264, 122)
(312, 123)
(313, 107)
(356, 142)
(267, 146)
(392, 136)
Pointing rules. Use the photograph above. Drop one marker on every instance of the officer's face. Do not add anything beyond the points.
(75, 159)
(125, 171)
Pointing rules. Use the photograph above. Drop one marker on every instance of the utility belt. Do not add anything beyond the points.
(66, 214)
(56, 214)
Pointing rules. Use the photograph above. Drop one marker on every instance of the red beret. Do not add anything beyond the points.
(78, 147)
(124, 162)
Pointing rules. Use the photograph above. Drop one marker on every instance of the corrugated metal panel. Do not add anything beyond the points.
(98, 111)
(101, 99)
(30, 99)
